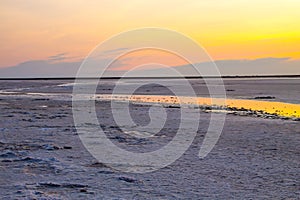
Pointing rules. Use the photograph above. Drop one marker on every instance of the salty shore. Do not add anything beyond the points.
(42, 156)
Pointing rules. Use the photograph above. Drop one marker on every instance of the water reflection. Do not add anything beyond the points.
(268, 107)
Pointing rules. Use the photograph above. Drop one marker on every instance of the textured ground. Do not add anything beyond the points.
(42, 157)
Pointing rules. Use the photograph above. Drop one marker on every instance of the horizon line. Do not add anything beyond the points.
(149, 77)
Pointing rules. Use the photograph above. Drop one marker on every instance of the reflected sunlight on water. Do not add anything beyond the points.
(268, 107)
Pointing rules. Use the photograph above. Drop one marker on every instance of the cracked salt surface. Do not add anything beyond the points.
(254, 158)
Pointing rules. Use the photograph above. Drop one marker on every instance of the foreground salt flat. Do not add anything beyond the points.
(42, 156)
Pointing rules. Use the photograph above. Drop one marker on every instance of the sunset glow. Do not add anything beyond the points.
(266, 107)
(35, 30)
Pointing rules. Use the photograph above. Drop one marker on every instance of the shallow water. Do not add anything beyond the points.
(272, 96)
(276, 108)
(284, 90)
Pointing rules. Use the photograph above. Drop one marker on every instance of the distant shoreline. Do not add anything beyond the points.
(186, 77)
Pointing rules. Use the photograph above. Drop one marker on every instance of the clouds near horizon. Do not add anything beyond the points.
(61, 68)
(228, 30)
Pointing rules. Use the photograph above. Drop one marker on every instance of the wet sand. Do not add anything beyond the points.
(41, 155)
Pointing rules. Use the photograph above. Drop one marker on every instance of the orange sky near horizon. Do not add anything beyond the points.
(227, 29)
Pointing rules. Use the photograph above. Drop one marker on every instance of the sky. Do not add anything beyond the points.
(38, 37)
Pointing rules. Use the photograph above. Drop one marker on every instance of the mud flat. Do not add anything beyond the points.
(42, 157)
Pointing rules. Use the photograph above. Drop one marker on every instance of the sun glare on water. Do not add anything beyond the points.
(266, 107)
